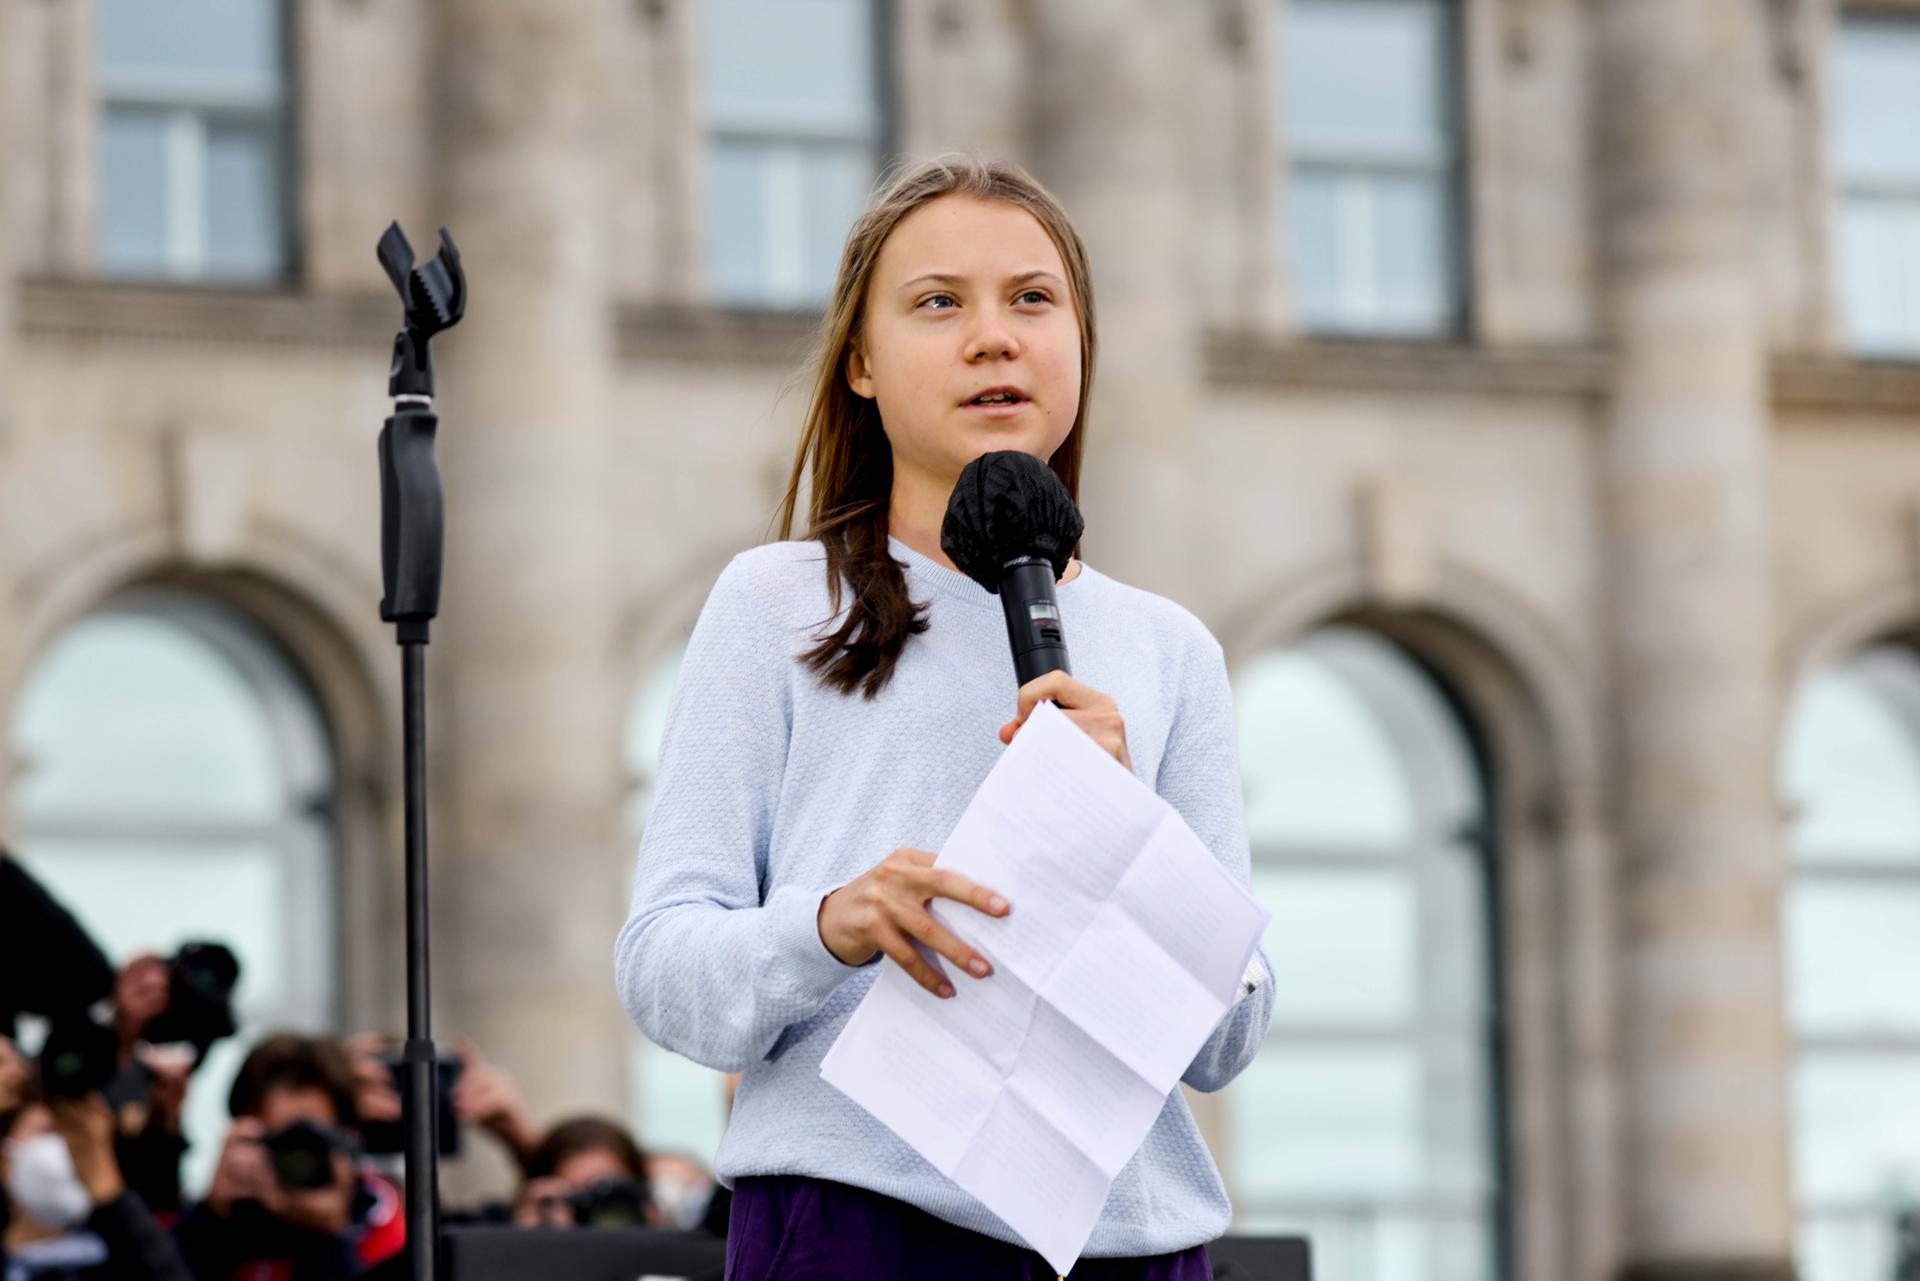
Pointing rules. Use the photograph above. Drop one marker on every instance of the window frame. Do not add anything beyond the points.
(191, 105)
(879, 143)
(1488, 1034)
(1359, 169)
(1859, 1214)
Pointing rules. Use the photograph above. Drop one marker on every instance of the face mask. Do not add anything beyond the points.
(42, 1184)
(682, 1201)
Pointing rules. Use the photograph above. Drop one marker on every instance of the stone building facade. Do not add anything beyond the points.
(1622, 508)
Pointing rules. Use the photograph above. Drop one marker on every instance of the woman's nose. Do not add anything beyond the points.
(992, 339)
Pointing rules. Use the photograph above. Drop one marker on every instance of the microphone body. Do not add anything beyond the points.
(1033, 618)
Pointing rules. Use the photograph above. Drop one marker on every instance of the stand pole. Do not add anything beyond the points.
(422, 1107)
(412, 531)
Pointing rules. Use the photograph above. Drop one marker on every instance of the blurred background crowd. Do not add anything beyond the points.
(305, 1165)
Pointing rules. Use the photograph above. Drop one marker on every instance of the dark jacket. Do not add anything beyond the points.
(48, 964)
(122, 1241)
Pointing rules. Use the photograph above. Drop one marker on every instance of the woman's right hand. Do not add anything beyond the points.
(885, 910)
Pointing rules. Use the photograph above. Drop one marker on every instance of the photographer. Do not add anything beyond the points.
(587, 1172)
(477, 1093)
(167, 1014)
(288, 1199)
(69, 1215)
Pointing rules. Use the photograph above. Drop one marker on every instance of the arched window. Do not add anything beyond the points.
(193, 154)
(1850, 776)
(791, 93)
(1370, 1121)
(678, 1105)
(175, 783)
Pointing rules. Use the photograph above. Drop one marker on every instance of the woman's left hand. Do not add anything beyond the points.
(1085, 706)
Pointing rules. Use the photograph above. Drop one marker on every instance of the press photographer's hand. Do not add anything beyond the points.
(885, 910)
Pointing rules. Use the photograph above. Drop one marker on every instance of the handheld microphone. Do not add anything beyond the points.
(1011, 527)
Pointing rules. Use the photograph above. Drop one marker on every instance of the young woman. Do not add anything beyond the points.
(841, 699)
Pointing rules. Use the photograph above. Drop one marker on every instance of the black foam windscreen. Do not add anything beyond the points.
(1007, 505)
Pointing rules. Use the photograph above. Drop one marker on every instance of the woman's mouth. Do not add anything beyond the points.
(998, 402)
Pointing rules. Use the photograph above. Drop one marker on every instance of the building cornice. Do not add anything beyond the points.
(199, 313)
(1234, 359)
(784, 339)
(1833, 383)
(716, 335)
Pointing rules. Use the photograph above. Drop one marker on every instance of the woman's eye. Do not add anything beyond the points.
(1040, 295)
(934, 298)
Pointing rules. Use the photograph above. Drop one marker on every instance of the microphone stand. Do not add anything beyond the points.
(411, 541)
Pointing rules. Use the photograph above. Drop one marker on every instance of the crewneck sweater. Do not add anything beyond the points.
(774, 790)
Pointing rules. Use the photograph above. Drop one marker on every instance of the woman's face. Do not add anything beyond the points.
(967, 296)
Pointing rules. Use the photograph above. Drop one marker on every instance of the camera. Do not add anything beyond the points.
(384, 1138)
(610, 1203)
(82, 1056)
(302, 1155)
(200, 982)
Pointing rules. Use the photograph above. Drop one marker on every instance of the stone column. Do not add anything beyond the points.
(1704, 1104)
(1110, 119)
(528, 857)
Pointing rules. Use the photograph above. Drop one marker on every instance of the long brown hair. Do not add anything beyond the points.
(843, 449)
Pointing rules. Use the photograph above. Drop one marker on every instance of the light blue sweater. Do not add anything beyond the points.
(774, 790)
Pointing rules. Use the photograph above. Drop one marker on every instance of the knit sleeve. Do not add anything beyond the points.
(711, 964)
(1200, 778)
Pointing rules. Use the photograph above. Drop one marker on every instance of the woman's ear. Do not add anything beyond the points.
(859, 377)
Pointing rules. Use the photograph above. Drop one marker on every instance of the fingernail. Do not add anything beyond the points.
(946, 990)
(978, 966)
(997, 903)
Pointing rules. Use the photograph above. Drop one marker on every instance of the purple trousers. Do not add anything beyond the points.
(789, 1228)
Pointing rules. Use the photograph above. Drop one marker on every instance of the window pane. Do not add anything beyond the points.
(1414, 245)
(789, 66)
(1315, 247)
(837, 184)
(678, 1105)
(1855, 958)
(1365, 78)
(133, 192)
(1850, 769)
(1879, 269)
(1858, 1126)
(243, 200)
(1456, 987)
(130, 715)
(1319, 768)
(736, 218)
(1343, 946)
(1876, 99)
(206, 38)
(1847, 1245)
(779, 216)
(1371, 249)
(1327, 1123)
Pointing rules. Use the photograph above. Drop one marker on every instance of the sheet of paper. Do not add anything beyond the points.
(1031, 1089)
